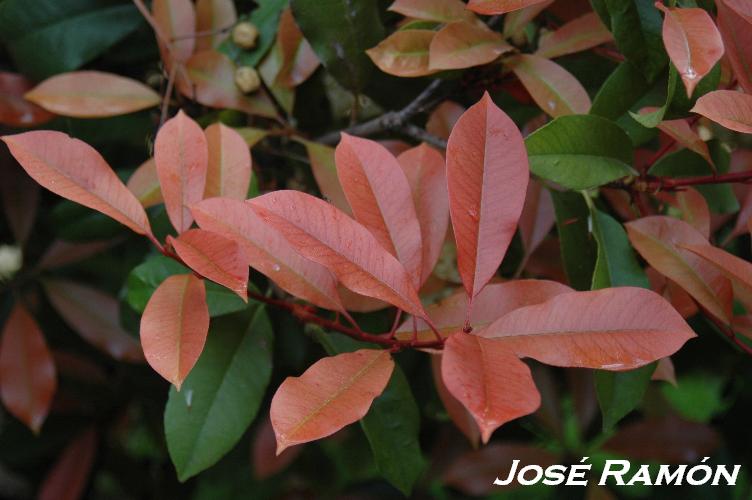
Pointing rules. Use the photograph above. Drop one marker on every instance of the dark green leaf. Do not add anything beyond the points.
(621, 90)
(222, 394)
(578, 251)
(616, 264)
(266, 19)
(46, 37)
(620, 392)
(580, 151)
(340, 31)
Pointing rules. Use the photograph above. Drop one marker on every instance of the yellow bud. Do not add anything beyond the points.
(247, 79)
(245, 35)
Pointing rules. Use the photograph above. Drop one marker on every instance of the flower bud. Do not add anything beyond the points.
(247, 79)
(245, 35)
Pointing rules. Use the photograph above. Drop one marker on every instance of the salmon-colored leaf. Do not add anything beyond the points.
(62, 253)
(664, 371)
(487, 176)
(174, 326)
(582, 33)
(70, 474)
(554, 89)
(176, 19)
(737, 40)
(95, 316)
(214, 17)
(537, 216)
(404, 53)
(334, 392)
(728, 108)
(264, 456)
(610, 329)
(489, 380)
(692, 41)
(442, 119)
(516, 21)
(229, 169)
(440, 11)
(215, 257)
(425, 171)
(268, 252)
(299, 61)
(738, 270)
(15, 110)
(463, 44)
(326, 235)
(144, 184)
(682, 133)
(92, 94)
(660, 239)
(72, 169)
(499, 6)
(458, 413)
(693, 207)
(324, 171)
(381, 199)
(212, 84)
(27, 372)
(181, 156)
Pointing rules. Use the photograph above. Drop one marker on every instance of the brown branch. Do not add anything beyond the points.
(654, 183)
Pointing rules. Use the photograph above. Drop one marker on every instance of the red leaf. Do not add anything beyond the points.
(741, 7)
(681, 131)
(264, 456)
(442, 119)
(738, 270)
(15, 110)
(27, 371)
(489, 380)
(215, 257)
(229, 169)
(95, 316)
(324, 171)
(692, 41)
(659, 240)
(381, 199)
(487, 175)
(537, 216)
(693, 207)
(440, 11)
(174, 327)
(299, 61)
(332, 393)
(176, 19)
(737, 40)
(69, 476)
(144, 184)
(92, 94)
(20, 196)
(181, 155)
(610, 329)
(268, 252)
(577, 35)
(458, 413)
(728, 108)
(404, 53)
(72, 169)
(554, 89)
(463, 44)
(328, 236)
(214, 16)
(499, 6)
(424, 168)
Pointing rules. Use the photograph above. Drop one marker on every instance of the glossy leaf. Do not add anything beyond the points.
(214, 16)
(325, 235)
(71, 472)
(28, 378)
(215, 257)
(174, 327)
(176, 20)
(620, 92)
(95, 316)
(268, 252)
(299, 61)
(144, 184)
(404, 53)
(692, 41)
(440, 11)
(424, 168)
(332, 393)
(456, 411)
(577, 247)
(577, 35)
(620, 392)
(92, 94)
(736, 269)
(380, 195)
(489, 7)
(487, 176)
(728, 108)
(616, 264)
(737, 40)
(660, 240)
(15, 109)
(611, 329)
(552, 87)
(229, 168)
(463, 44)
(72, 169)
(181, 156)
(488, 380)
(222, 394)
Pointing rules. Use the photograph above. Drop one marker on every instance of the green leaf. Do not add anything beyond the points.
(266, 20)
(578, 251)
(222, 394)
(580, 151)
(46, 37)
(616, 264)
(621, 90)
(391, 424)
(637, 28)
(620, 392)
(145, 278)
(697, 397)
(686, 163)
(339, 32)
